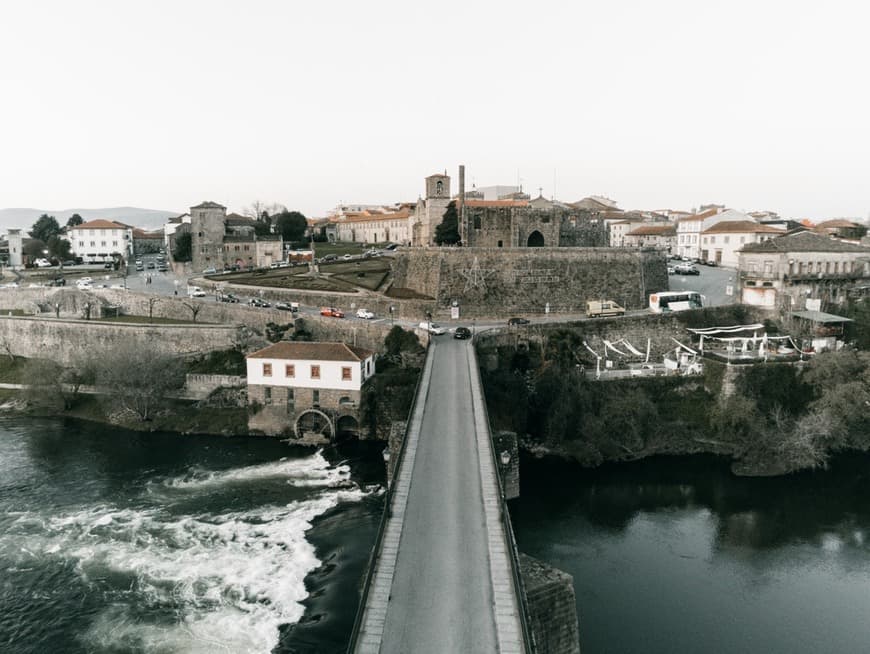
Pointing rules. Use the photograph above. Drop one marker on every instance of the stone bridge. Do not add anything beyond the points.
(445, 573)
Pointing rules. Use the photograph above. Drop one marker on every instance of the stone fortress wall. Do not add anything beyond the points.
(64, 340)
(503, 281)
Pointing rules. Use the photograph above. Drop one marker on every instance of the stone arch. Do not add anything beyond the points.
(347, 426)
(535, 240)
(313, 421)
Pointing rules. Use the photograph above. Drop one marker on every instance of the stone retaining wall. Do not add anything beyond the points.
(65, 340)
(502, 281)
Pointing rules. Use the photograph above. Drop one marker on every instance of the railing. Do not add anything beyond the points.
(528, 637)
(385, 516)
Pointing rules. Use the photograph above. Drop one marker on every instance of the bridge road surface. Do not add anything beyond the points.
(442, 599)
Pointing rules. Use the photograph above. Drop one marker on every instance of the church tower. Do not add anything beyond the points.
(430, 210)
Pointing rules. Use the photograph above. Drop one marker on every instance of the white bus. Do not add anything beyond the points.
(666, 301)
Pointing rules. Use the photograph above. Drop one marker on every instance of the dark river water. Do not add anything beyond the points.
(117, 542)
(677, 555)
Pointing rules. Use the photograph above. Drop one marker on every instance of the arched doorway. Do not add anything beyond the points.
(347, 427)
(313, 423)
(536, 240)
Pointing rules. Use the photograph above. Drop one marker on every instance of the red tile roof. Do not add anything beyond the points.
(654, 230)
(700, 216)
(312, 352)
(496, 203)
(100, 224)
(732, 226)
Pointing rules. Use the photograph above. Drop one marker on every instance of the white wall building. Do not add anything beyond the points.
(721, 242)
(98, 240)
(324, 366)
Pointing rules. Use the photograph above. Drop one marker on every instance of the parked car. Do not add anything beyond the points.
(69, 262)
(672, 270)
(151, 265)
(391, 246)
(330, 257)
(227, 297)
(210, 271)
(518, 321)
(332, 312)
(462, 333)
(42, 263)
(347, 257)
(365, 314)
(84, 280)
(195, 291)
(686, 269)
(283, 306)
(162, 267)
(108, 265)
(432, 328)
(598, 308)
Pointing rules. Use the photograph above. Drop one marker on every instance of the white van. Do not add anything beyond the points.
(598, 308)
(195, 291)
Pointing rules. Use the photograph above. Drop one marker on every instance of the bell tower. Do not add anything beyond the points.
(438, 187)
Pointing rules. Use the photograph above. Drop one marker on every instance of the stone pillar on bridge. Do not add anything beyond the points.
(507, 452)
(552, 607)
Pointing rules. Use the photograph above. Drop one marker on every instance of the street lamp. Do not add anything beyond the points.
(505, 458)
(392, 308)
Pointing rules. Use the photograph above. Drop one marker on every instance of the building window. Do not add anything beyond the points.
(289, 370)
(345, 373)
(315, 372)
(93, 243)
(81, 244)
(290, 395)
(726, 240)
(267, 395)
(315, 397)
(267, 370)
(768, 267)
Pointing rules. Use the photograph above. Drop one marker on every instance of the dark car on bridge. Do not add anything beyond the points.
(518, 321)
(462, 333)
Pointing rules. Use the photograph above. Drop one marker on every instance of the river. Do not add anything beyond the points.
(117, 542)
(676, 555)
(121, 542)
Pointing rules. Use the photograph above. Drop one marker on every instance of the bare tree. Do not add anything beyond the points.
(137, 378)
(7, 347)
(151, 302)
(195, 308)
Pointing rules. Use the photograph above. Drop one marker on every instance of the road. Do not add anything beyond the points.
(711, 283)
(442, 598)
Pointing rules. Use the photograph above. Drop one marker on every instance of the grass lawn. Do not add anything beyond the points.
(370, 280)
(12, 312)
(145, 320)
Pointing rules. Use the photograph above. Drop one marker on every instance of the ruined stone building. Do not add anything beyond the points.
(219, 240)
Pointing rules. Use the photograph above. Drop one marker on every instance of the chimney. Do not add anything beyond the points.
(462, 205)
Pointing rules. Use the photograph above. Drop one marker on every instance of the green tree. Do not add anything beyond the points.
(291, 225)
(58, 247)
(34, 248)
(74, 220)
(447, 233)
(44, 228)
(183, 247)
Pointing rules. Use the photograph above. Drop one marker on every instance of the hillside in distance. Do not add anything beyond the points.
(145, 218)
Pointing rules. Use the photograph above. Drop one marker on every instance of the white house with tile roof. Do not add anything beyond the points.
(310, 390)
(98, 240)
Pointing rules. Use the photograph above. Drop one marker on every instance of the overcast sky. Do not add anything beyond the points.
(667, 104)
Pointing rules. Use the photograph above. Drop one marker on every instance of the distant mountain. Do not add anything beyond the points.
(145, 218)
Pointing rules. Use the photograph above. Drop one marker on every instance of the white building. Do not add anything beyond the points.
(310, 390)
(172, 226)
(721, 242)
(689, 230)
(98, 240)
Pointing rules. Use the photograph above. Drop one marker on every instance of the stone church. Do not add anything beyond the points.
(512, 221)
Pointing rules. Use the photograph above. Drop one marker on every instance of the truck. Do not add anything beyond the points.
(598, 308)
